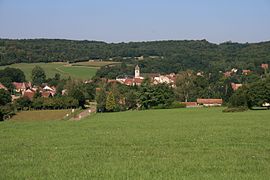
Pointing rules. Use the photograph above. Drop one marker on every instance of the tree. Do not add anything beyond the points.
(23, 102)
(131, 99)
(101, 100)
(258, 93)
(57, 77)
(185, 84)
(38, 76)
(77, 94)
(155, 95)
(7, 82)
(6, 111)
(239, 98)
(89, 89)
(15, 75)
(110, 102)
(5, 97)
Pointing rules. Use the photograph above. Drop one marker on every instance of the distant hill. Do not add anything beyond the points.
(159, 56)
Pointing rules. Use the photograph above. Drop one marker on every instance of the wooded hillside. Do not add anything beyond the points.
(170, 56)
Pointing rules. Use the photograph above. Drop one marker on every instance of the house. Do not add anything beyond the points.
(128, 82)
(3, 87)
(200, 73)
(113, 81)
(246, 71)
(137, 81)
(161, 79)
(168, 79)
(21, 87)
(14, 97)
(227, 73)
(29, 93)
(236, 86)
(51, 90)
(210, 102)
(46, 94)
(264, 66)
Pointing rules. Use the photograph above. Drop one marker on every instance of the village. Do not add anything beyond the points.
(26, 89)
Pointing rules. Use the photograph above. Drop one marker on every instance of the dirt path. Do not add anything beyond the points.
(84, 114)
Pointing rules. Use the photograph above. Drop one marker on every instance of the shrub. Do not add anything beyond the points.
(177, 105)
(235, 109)
(172, 106)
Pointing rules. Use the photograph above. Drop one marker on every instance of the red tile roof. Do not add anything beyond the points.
(138, 81)
(23, 85)
(246, 71)
(46, 94)
(128, 82)
(209, 101)
(3, 87)
(235, 86)
(228, 74)
(29, 93)
(264, 66)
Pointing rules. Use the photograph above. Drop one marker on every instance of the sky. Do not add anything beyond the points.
(136, 20)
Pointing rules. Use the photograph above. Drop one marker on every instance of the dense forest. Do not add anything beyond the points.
(159, 56)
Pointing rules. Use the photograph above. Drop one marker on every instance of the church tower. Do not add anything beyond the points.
(137, 71)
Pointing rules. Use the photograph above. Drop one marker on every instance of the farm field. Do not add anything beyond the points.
(94, 63)
(201, 143)
(77, 72)
(40, 115)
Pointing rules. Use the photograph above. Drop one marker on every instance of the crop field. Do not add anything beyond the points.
(94, 63)
(77, 72)
(190, 143)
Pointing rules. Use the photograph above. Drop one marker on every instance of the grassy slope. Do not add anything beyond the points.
(161, 144)
(81, 72)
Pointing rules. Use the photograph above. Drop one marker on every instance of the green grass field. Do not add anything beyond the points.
(77, 72)
(158, 144)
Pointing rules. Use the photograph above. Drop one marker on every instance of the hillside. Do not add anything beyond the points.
(64, 69)
(170, 56)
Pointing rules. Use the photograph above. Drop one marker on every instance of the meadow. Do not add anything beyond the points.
(201, 143)
(83, 72)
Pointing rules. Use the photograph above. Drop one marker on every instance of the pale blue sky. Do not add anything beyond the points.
(136, 20)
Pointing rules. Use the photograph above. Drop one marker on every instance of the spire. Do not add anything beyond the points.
(137, 71)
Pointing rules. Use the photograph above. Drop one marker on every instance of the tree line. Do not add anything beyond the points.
(170, 56)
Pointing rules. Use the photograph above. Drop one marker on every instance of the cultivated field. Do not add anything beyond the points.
(66, 70)
(94, 63)
(158, 144)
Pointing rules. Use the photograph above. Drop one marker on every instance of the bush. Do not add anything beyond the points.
(172, 106)
(236, 109)
(177, 105)
(7, 111)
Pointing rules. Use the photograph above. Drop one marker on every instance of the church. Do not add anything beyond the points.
(132, 81)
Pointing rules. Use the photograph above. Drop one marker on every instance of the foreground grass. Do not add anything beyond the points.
(82, 72)
(160, 144)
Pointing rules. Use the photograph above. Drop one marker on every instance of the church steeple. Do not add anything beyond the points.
(137, 71)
